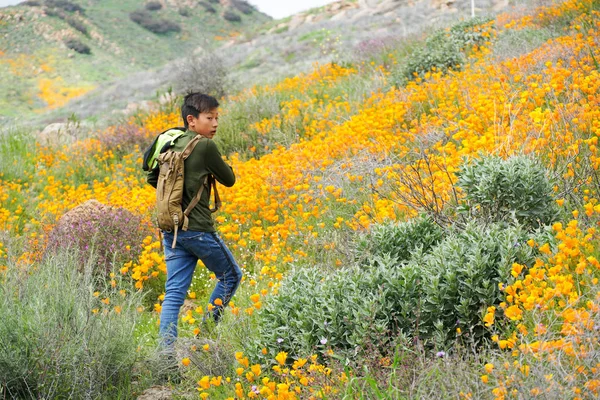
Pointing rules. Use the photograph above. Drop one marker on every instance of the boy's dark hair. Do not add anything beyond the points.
(196, 103)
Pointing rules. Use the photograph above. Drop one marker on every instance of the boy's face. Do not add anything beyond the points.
(206, 124)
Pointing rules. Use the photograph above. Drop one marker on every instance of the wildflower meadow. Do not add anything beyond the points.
(417, 222)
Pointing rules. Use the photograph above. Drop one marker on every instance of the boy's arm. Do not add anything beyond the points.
(152, 177)
(216, 166)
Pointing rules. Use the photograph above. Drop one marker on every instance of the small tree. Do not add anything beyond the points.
(204, 73)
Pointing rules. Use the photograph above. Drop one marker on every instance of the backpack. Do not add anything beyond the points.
(169, 188)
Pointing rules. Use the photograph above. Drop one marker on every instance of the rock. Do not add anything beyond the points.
(335, 7)
(58, 134)
(386, 7)
(364, 12)
(132, 108)
(339, 16)
(296, 21)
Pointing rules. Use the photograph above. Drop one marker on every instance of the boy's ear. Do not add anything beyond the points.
(189, 118)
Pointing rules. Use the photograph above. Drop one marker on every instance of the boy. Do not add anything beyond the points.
(200, 116)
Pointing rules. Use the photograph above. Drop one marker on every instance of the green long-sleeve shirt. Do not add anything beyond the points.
(205, 159)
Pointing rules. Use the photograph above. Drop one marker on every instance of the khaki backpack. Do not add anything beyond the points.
(169, 190)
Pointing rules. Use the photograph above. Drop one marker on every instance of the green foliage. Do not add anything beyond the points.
(235, 134)
(426, 298)
(439, 53)
(153, 6)
(16, 145)
(413, 374)
(78, 46)
(512, 43)
(444, 50)
(53, 344)
(314, 36)
(242, 6)
(515, 189)
(467, 33)
(231, 16)
(314, 312)
(76, 24)
(65, 5)
(205, 73)
(399, 240)
(159, 26)
(459, 280)
(208, 7)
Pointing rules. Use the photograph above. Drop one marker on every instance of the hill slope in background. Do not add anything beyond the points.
(55, 50)
(129, 64)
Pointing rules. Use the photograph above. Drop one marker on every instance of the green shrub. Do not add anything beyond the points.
(445, 49)
(428, 297)
(159, 26)
(65, 5)
(439, 53)
(346, 311)
(153, 6)
(207, 7)
(58, 340)
(460, 279)
(498, 190)
(399, 240)
(243, 6)
(78, 25)
(78, 46)
(231, 16)
(205, 72)
(467, 33)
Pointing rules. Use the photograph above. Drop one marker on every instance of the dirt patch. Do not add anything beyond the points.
(156, 393)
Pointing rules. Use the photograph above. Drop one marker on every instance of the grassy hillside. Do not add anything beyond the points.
(417, 222)
(52, 51)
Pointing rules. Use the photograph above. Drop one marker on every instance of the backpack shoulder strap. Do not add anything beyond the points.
(212, 185)
(193, 204)
(190, 146)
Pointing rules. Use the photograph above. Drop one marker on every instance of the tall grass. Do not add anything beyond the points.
(16, 145)
(63, 334)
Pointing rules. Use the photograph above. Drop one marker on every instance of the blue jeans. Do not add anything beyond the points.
(181, 263)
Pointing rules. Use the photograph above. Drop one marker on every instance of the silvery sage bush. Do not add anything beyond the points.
(428, 297)
(460, 278)
(348, 311)
(515, 189)
(399, 240)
